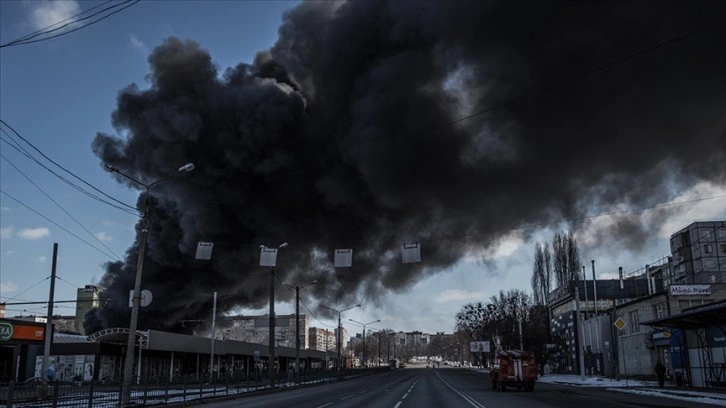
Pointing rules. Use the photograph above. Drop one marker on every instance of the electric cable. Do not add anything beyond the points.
(28, 41)
(60, 207)
(56, 224)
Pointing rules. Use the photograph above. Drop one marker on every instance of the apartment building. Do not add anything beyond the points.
(256, 329)
(87, 298)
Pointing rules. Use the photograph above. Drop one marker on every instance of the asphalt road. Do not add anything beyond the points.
(443, 387)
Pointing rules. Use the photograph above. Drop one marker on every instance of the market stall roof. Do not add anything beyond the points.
(117, 336)
(693, 318)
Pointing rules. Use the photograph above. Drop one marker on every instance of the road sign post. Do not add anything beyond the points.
(620, 325)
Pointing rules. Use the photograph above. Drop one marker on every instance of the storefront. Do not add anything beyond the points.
(697, 341)
(20, 343)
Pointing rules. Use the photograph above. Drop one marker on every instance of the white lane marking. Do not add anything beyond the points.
(346, 397)
(324, 405)
(406, 395)
(466, 398)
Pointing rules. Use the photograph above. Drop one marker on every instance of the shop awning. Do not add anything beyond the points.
(693, 318)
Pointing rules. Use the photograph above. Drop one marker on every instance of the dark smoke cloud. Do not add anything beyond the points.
(332, 139)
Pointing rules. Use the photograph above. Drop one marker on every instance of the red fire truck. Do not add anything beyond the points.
(514, 368)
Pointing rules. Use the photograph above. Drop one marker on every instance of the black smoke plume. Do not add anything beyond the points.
(372, 124)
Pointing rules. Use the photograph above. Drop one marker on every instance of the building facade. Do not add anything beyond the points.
(256, 329)
(699, 253)
(322, 339)
(87, 298)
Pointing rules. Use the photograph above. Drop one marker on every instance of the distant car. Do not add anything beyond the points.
(401, 365)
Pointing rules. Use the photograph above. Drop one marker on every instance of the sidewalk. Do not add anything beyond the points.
(712, 396)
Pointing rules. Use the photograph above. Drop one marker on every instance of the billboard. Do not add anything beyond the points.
(479, 347)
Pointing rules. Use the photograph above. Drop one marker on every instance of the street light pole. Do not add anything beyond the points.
(364, 337)
(271, 260)
(338, 337)
(129, 362)
(297, 322)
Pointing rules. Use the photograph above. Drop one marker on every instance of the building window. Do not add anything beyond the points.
(708, 248)
(659, 311)
(723, 248)
(634, 321)
(706, 235)
(721, 233)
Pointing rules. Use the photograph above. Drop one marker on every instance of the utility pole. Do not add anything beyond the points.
(271, 340)
(211, 357)
(49, 321)
(579, 332)
(297, 331)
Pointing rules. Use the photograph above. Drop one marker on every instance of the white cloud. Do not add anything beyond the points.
(5, 209)
(34, 233)
(138, 44)
(47, 13)
(6, 232)
(505, 247)
(102, 236)
(42, 259)
(9, 252)
(7, 287)
(608, 275)
(705, 210)
(458, 295)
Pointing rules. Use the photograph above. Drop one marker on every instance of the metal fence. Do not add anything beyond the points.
(147, 393)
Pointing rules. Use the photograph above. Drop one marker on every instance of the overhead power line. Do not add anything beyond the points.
(109, 11)
(122, 206)
(56, 224)
(71, 18)
(60, 206)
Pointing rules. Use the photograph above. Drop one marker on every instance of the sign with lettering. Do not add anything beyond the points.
(6, 331)
(10, 331)
(690, 290)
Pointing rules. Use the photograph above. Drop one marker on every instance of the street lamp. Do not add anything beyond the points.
(339, 326)
(297, 322)
(128, 365)
(268, 257)
(364, 337)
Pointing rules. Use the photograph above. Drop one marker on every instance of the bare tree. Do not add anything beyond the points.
(548, 266)
(573, 258)
(541, 279)
(566, 258)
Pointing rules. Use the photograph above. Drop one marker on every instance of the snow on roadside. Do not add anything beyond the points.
(690, 396)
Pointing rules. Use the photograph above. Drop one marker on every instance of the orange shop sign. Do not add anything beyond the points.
(10, 331)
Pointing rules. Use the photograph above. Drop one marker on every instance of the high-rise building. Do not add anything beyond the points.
(256, 329)
(320, 339)
(699, 253)
(88, 298)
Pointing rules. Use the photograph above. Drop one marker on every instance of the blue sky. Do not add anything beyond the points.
(59, 93)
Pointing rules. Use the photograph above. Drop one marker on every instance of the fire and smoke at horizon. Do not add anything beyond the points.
(373, 124)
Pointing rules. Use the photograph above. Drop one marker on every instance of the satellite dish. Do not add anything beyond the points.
(144, 299)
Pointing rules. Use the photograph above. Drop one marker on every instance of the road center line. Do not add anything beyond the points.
(324, 405)
(346, 397)
(466, 398)
(398, 405)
